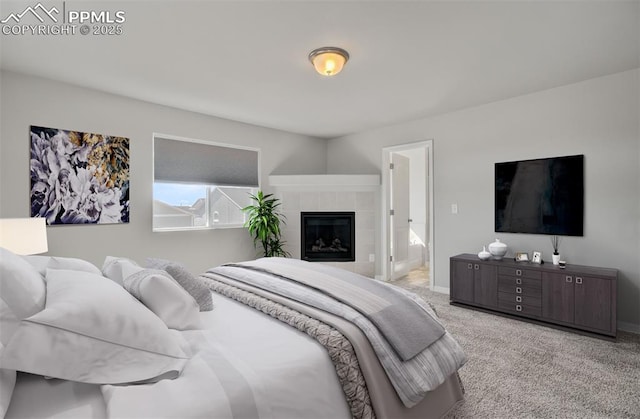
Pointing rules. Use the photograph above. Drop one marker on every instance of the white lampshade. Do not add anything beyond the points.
(328, 61)
(24, 236)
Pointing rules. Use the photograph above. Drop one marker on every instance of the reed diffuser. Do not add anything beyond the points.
(555, 243)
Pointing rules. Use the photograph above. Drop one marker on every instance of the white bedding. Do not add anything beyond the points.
(291, 376)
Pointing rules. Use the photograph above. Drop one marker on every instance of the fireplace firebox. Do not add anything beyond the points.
(328, 236)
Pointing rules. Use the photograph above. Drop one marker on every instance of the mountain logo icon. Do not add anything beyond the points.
(38, 11)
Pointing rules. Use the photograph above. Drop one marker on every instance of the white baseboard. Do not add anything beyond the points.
(629, 327)
(415, 263)
(441, 290)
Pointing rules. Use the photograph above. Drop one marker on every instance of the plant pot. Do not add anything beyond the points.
(556, 259)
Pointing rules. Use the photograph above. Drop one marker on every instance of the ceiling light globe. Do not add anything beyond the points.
(328, 61)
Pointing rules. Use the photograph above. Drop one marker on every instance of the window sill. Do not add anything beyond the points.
(217, 227)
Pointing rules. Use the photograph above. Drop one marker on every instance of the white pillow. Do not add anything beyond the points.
(194, 285)
(22, 292)
(117, 269)
(165, 297)
(41, 263)
(157, 290)
(93, 331)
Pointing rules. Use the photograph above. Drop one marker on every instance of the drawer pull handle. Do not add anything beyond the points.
(518, 307)
(476, 266)
(518, 290)
(578, 280)
(470, 266)
(518, 281)
(569, 278)
(519, 272)
(518, 299)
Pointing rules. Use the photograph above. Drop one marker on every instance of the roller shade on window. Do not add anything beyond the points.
(192, 162)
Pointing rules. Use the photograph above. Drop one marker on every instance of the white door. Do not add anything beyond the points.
(400, 205)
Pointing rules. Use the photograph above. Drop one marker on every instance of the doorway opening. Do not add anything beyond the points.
(408, 213)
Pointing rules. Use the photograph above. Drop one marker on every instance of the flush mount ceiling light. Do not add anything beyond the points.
(328, 61)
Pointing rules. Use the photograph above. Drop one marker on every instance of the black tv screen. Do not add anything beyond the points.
(542, 196)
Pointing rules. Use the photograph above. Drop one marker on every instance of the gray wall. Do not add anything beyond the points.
(26, 101)
(598, 118)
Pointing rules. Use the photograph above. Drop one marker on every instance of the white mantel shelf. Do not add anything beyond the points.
(340, 181)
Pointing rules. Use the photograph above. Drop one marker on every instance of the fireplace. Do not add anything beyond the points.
(328, 236)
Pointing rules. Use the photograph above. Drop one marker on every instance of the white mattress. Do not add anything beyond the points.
(291, 377)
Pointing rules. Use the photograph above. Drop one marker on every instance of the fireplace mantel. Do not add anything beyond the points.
(333, 182)
(330, 193)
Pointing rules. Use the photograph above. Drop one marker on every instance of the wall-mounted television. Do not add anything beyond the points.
(541, 196)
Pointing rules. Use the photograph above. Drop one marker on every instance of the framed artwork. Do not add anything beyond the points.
(522, 257)
(537, 257)
(79, 177)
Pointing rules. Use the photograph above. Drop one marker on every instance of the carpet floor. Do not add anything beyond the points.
(521, 370)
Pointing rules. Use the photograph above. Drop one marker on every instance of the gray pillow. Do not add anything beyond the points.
(191, 283)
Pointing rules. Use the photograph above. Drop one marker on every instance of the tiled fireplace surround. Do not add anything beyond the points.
(357, 193)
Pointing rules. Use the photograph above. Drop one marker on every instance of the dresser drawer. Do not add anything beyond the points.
(517, 308)
(518, 290)
(528, 300)
(519, 272)
(510, 281)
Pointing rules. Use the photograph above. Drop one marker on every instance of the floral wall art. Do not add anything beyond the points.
(79, 177)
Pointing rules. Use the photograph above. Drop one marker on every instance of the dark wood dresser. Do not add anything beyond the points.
(577, 298)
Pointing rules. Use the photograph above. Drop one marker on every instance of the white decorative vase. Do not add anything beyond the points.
(556, 259)
(498, 249)
(484, 255)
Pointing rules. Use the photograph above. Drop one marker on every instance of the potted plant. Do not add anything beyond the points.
(555, 243)
(264, 221)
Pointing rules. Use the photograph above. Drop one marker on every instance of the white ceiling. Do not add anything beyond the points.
(247, 61)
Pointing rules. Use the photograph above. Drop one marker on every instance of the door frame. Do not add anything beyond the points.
(386, 199)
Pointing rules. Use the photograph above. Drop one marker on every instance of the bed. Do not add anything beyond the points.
(257, 339)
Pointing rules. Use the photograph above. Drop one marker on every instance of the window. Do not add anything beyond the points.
(199, 185)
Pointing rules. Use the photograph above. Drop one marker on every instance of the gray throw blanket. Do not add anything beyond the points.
(407, 327)
(412, 379)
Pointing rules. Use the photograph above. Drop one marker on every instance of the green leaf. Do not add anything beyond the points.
(263, 223)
